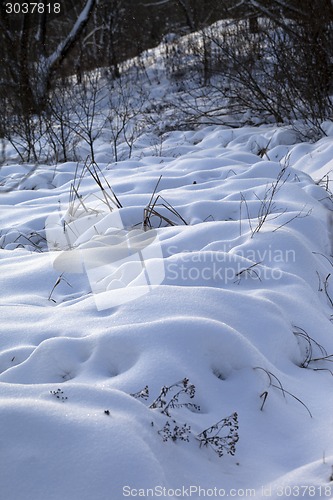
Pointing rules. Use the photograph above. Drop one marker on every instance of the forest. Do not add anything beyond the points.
(271, 57)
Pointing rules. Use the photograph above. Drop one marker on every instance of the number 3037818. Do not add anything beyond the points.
(32, 8)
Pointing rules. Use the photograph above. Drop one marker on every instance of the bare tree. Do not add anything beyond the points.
(271, 58)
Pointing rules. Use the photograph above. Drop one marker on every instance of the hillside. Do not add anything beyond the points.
(166, 318)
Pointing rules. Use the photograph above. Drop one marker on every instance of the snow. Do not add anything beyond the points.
(235, 296)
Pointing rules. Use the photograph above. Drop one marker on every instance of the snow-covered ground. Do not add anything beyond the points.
(226, 303)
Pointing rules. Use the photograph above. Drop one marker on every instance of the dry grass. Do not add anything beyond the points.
(155, 208)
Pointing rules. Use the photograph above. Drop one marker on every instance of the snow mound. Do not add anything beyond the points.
(234, 325)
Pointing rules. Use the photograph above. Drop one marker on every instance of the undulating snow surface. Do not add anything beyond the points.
(240, 305)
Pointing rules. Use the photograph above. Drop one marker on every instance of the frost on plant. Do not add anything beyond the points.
(143, 394)
(175, 431)
(222, 436)
(165, 401)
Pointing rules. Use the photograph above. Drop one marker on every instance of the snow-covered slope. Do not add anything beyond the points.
(237, 314)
